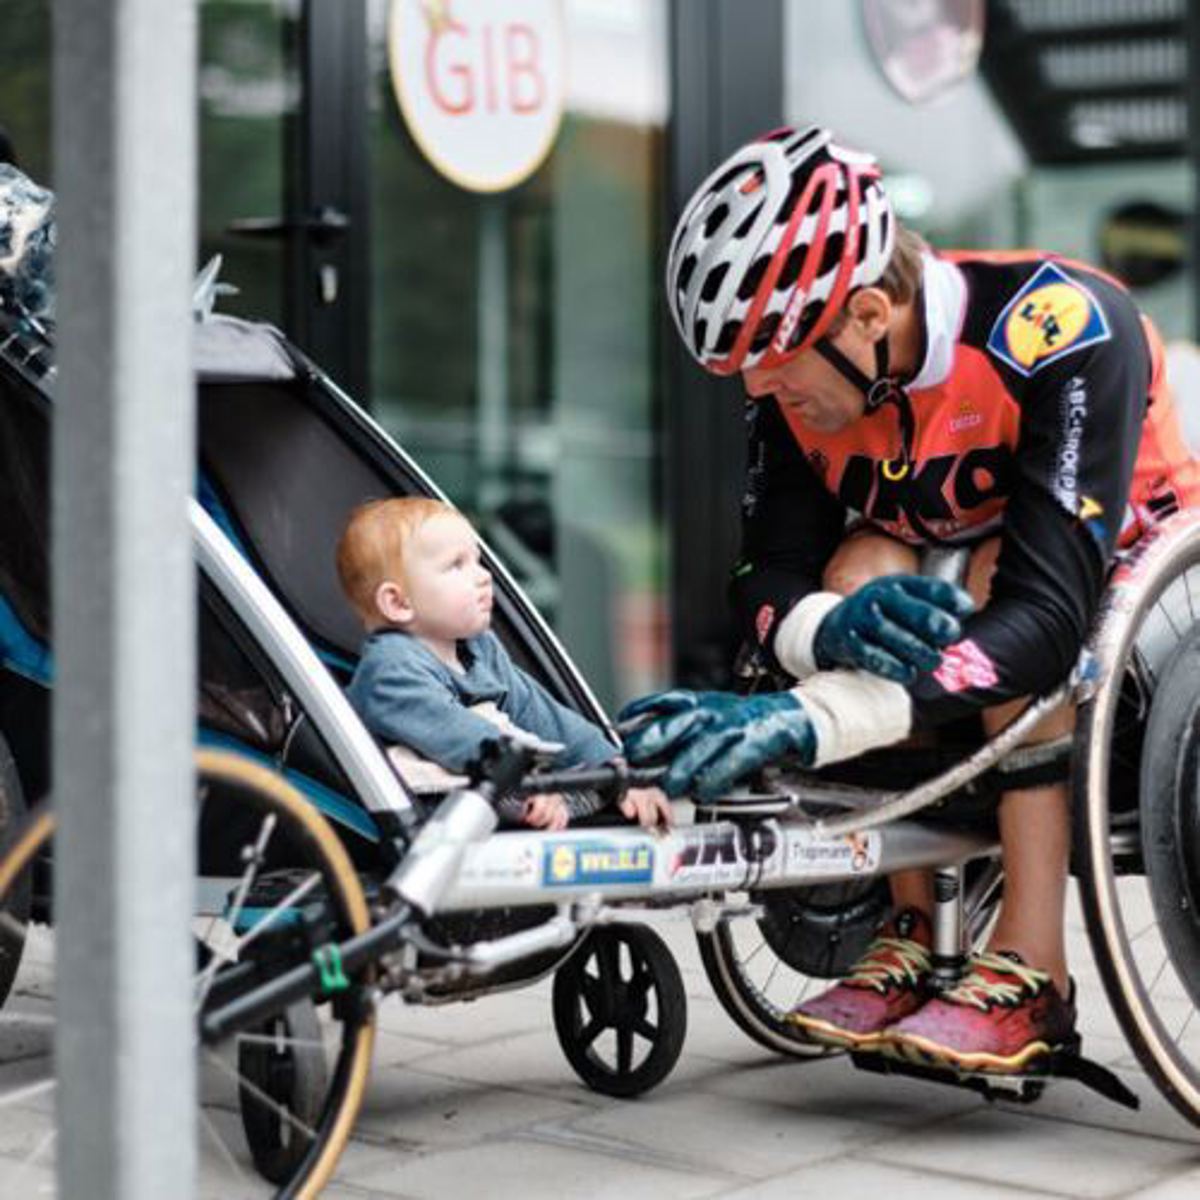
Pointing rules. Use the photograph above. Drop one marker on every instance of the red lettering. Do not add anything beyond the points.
(464, 100)
(524, 53)
(489, 69)
(453, 60)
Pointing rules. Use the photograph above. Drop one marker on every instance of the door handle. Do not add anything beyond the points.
(322, 225)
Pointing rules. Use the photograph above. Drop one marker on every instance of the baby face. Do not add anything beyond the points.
(447, 587)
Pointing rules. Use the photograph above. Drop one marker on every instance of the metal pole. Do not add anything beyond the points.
(124, 596)
(493, 408)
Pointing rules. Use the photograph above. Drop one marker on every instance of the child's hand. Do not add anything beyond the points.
(547, 810)
(648, 806)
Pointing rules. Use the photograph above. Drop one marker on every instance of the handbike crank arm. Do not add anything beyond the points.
(905, 804)
(332, 962)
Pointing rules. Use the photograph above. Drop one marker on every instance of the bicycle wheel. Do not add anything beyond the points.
(272, 881)
(789, 944)
(1136, 856)
(14, 911)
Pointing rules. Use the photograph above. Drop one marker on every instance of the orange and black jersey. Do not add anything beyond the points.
(1040, 412)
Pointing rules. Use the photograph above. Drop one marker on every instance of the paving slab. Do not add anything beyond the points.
(478, 1099)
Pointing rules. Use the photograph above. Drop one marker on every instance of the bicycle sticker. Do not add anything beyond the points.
(853, 853)
(568, 864)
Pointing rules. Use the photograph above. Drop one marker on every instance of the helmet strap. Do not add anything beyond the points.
(883, 389)
(877, 391)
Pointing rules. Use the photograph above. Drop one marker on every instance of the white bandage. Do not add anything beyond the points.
(852, 712)
(797, 631)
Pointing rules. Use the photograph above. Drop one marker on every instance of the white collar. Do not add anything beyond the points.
(945, 292)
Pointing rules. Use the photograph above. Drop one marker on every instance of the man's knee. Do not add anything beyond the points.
(866, 556)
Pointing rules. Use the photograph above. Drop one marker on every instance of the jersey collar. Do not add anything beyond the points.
(945, 292)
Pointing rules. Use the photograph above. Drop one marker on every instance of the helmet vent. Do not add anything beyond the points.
(715, 219)
(791, 268)
(685, 272)
(834, 245)
(745, 226)
(765, 332)
(712, 285)
(753, 277)
(729, 332)
(699, 333)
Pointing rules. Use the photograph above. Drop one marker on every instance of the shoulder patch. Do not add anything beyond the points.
(1050, 316)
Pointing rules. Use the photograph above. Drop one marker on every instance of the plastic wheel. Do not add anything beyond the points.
(15, 909)
(1139, 864)
(295, 1079)
(620, 1010)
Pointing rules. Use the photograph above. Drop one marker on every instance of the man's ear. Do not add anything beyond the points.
(392, 603)
(871, 309)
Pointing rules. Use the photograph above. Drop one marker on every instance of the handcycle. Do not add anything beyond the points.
(300, 931)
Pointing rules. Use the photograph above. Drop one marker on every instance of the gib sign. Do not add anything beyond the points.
(480, 84)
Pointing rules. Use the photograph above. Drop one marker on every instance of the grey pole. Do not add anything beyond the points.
(124, 596)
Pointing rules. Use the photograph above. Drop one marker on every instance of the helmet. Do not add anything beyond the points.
(771, 244)
(27, 238)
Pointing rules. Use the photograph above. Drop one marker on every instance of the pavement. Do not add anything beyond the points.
(477, 1100)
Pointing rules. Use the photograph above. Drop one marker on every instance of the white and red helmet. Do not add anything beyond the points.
(771, 244)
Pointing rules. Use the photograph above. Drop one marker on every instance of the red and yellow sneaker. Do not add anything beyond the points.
(1002, 1017)
(886, 984)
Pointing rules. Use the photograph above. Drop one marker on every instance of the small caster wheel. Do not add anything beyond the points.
(620, 1010)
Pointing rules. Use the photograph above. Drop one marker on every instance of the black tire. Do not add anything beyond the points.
(810, 934)
(601, 990)
(1139, 871)
(284, 1060)
(814, 933)
(17, 904)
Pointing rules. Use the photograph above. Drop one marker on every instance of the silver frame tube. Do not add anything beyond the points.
(626, 865)
(356, 751)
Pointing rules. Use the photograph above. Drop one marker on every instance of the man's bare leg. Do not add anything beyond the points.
(1035, 833)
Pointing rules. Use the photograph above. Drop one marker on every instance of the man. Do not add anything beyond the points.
(1011, 403)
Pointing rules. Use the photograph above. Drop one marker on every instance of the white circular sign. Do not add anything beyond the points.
(480, 84)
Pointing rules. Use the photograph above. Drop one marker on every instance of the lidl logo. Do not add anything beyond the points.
(1050, 316)
(571, 863)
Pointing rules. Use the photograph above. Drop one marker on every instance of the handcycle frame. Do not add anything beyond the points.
(757, 843)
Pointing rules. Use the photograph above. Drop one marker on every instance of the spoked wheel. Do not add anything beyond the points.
(15, 908)
(285, 1081)
(1138, 858)
(620, 1010)
(273, 883)
(785, 946)
(762, 963)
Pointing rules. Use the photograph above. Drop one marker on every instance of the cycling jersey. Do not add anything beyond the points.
(1040, 411)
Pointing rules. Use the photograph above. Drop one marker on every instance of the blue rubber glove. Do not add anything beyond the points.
(659, 723)
(713, 738)
(894, 627)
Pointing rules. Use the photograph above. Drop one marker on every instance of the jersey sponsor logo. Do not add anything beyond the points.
(937, 491)
(966, 418)
(1074, 410)
(966, 665)
(1050, 316)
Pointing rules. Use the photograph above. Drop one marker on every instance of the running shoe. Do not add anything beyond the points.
(884, 986)
(1001, 1017)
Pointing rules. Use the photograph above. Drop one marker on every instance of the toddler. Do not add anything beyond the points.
(432, 676)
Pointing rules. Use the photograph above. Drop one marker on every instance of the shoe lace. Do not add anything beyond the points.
(980, 989)
(890, 960)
